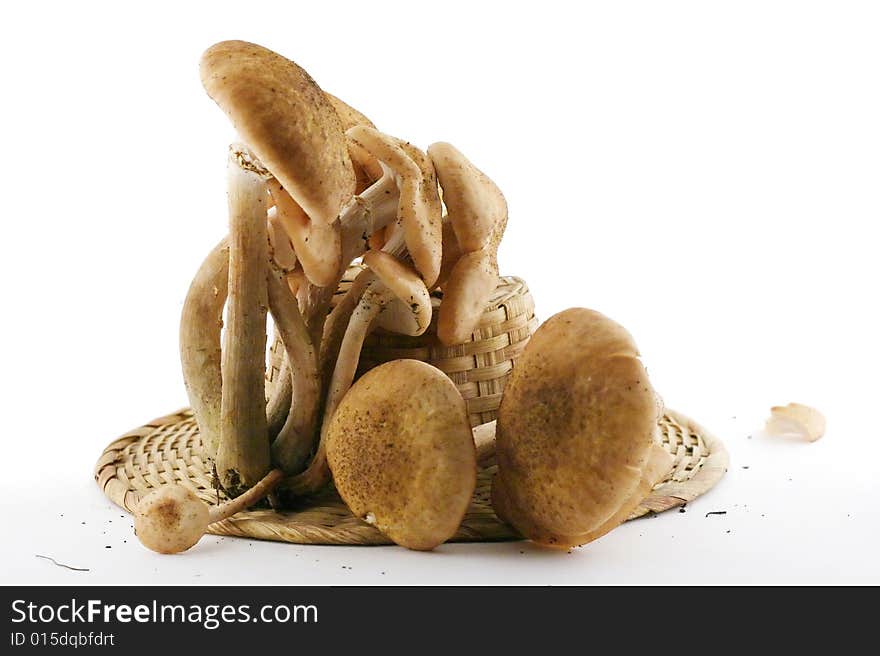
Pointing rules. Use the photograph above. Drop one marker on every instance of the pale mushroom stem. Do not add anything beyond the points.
(243, 455)
(337, 322)
(294, 442)
(374, 299)
(200, 354)
(279, 392)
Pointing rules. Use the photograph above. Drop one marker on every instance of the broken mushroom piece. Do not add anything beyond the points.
(171, 518)
(796, 419)
(477, 216)
(402, 455)
(577, 428)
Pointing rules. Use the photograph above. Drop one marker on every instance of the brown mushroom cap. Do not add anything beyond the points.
(575, 431)
(402, 454)
(475, 203)
(286, 119)
(470, 284)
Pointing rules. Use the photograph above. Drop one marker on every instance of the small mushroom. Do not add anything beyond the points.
(477, 214)
(171, 518)
(576, 438)
(402, 455)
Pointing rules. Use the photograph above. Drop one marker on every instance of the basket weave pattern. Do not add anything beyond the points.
(169, 450)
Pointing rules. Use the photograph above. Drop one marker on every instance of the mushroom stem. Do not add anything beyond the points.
(337, 322)
(373, 300)
(294, 442)
(280, 393)
(200, 354)
(243, 455)
(246, 499)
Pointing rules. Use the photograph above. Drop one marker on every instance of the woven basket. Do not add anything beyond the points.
(479, 367)
(169, 450)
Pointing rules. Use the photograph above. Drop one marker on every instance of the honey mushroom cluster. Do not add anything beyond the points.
(313, 187)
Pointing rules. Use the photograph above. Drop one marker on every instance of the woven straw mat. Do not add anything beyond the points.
(169, 450)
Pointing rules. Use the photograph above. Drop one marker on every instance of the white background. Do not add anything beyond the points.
(704, 173)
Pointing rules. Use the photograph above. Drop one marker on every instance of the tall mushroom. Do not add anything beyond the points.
(477, 216)
(295, 133)
(243, 456)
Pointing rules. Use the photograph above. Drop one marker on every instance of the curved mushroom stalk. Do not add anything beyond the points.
(388, 284)
(243, 456)
(200, 325)
(477, 214)
(294, 442)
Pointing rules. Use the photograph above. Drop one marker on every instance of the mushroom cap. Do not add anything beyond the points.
(575, 430)
(410, 313)
(170, 519)
(402, 454)
(475, 204)
(470, 285)
(286, 119)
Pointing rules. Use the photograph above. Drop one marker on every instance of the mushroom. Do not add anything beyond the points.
(171, 518)
(402, 455)
(577, 428)
(292, 127)
(243, 455)
(477, 215)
